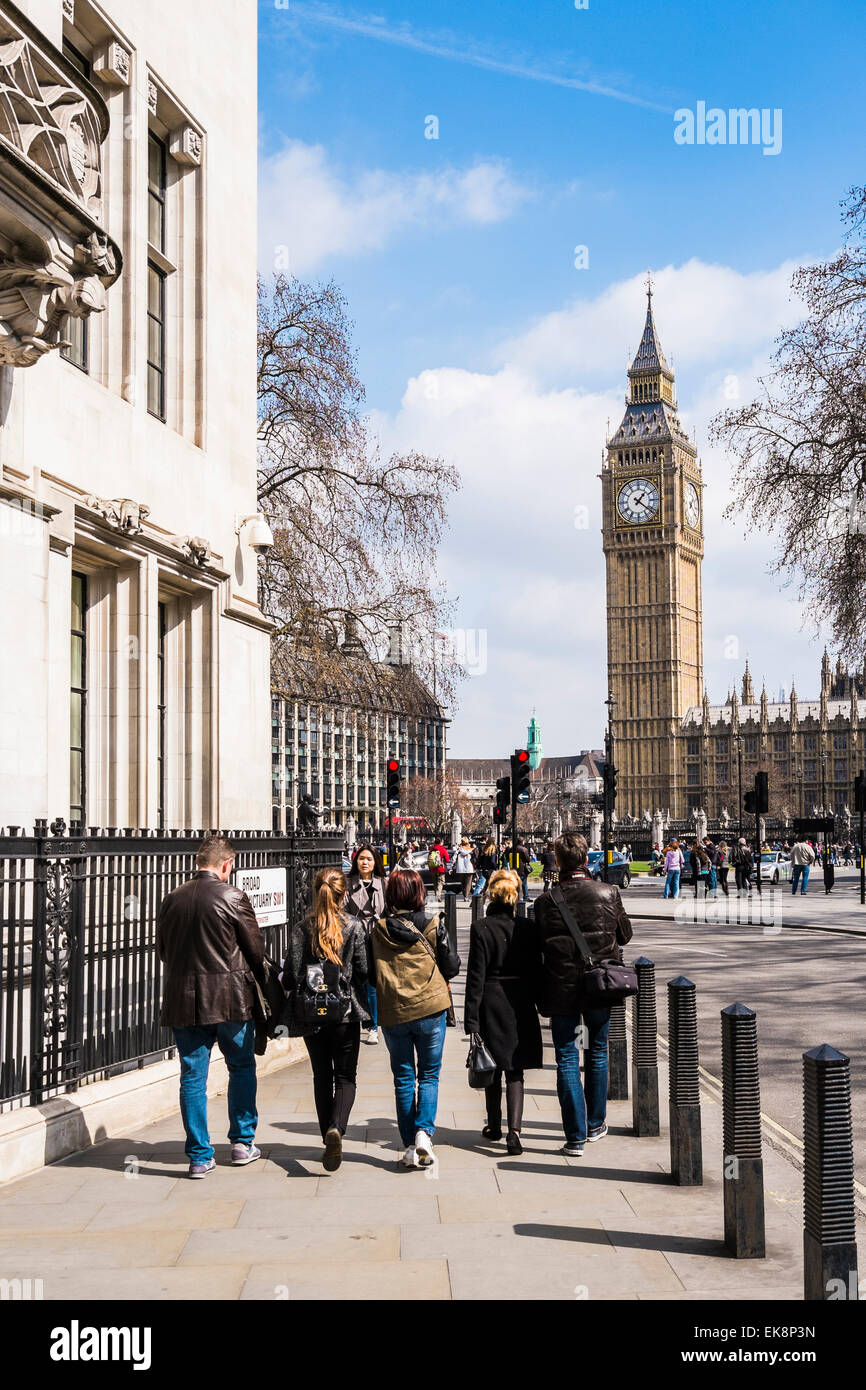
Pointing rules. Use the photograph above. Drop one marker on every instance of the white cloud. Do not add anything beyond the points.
(704, 313)
(312, 211)
(529, 452)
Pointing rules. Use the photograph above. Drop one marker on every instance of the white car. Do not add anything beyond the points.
(775, 865)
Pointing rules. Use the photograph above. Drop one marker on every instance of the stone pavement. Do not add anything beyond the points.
(776, 906)
(122, 1221)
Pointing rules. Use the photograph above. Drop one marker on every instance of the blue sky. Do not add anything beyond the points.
(478, 337)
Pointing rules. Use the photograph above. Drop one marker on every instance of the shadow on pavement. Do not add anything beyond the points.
(631, 1240)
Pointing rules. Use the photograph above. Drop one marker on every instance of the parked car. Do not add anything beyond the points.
(775, 865)
(619, 871)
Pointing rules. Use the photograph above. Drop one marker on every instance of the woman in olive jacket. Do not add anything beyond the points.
(411, 962)
(503, 964)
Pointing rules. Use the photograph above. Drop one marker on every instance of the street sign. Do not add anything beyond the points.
(266, 890)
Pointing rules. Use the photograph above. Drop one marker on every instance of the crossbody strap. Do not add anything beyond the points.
(568, 917)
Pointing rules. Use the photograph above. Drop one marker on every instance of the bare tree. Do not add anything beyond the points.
(436, 799)
(354, 532)
(801, 446)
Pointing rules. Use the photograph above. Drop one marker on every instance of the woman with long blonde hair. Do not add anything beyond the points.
(325, 977)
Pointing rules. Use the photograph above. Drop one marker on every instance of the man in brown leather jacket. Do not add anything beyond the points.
(211, 945)
(601, 918)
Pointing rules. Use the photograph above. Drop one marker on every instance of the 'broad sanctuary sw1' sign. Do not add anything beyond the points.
(266, 890)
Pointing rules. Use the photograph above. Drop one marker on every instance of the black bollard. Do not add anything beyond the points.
(743, 1163)
(684, 1087)
(617, 1055)
(829, 1237)
(644, 1064)
(476, 907)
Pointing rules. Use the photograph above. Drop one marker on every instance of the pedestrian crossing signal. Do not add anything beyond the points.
(503, 797)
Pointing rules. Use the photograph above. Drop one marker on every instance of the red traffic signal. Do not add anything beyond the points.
(393, 765)
(521, 755)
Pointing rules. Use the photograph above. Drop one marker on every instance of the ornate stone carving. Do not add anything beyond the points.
(121, 513)
(69, 10)
(53, 124)
(152, 97)
(185, 145)
(35, 299)
(112, 64)
(196, 549)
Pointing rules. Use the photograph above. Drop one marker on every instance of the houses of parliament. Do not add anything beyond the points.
(674, 749)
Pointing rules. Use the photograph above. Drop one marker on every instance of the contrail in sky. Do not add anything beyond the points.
(405, 38)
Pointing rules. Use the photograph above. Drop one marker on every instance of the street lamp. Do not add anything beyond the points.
(609, 769)
(739, 742)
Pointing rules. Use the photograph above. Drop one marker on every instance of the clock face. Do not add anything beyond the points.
(693, 505)
(638, 500)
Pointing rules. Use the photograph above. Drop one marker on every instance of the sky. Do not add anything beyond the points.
(489, 184)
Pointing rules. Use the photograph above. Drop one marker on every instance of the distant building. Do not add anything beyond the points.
(337, 718)
(533, 742)
(578, 776)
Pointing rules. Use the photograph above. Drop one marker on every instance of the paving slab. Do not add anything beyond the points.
(377, 1281)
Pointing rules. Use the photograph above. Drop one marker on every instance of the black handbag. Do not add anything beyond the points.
(608, 983)
(323, 995)
(270, 1000)
(481, 1065)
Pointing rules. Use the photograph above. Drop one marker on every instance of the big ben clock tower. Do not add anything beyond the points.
(652, 508)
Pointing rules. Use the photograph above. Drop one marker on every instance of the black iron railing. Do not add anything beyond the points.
(80, 978)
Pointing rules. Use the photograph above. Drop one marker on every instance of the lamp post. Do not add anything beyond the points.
(739, 743)
(608, 797)
(823, 790)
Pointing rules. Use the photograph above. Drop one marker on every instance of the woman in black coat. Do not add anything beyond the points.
(500, 977)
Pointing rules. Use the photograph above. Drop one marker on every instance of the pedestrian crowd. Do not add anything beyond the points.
(368, 956)
(708, 863)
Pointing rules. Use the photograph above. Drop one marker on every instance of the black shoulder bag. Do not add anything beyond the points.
(608, 983)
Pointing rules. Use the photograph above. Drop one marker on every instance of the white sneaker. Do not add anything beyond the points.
(423, 1149)
(372, 1037)
(410, 1158)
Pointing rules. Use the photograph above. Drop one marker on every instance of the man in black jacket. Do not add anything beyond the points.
(601, 918)
(213, 948)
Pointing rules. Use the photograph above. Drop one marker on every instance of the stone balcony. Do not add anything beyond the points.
(56, 259)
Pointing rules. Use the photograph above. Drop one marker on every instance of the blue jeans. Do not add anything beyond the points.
(797, 870)
(372, 1005)
(423, 1038)
(237, 1045)
(480, 884)
(580, 1111)
(672, 884)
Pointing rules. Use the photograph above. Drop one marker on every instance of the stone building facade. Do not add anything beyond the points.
(674, 750)
(336, 719)
(136, 654)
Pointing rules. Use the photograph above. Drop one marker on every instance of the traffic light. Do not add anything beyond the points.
(520, 773)
(860, 792)
(609, 781)
(393, 794)
(750, 803)
(762, 793)
(503, 798)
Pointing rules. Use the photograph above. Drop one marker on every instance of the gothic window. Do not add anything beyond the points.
(810, 743)
(810, 770)
(841, 769)
(693, 747)
(722, 747)
(693, 774)
(751, 745)
(780, 745)
(840, 742)
(721, 774)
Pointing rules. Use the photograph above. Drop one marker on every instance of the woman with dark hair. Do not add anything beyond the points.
(327, 937)
(411, 962)
(504, 959)
(366, 899)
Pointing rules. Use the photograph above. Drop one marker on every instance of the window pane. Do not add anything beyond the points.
(155, 283)
(77, 662)
(154, 343)
(78, 602)
(75, 701)
(154, 393)
(74, 781)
